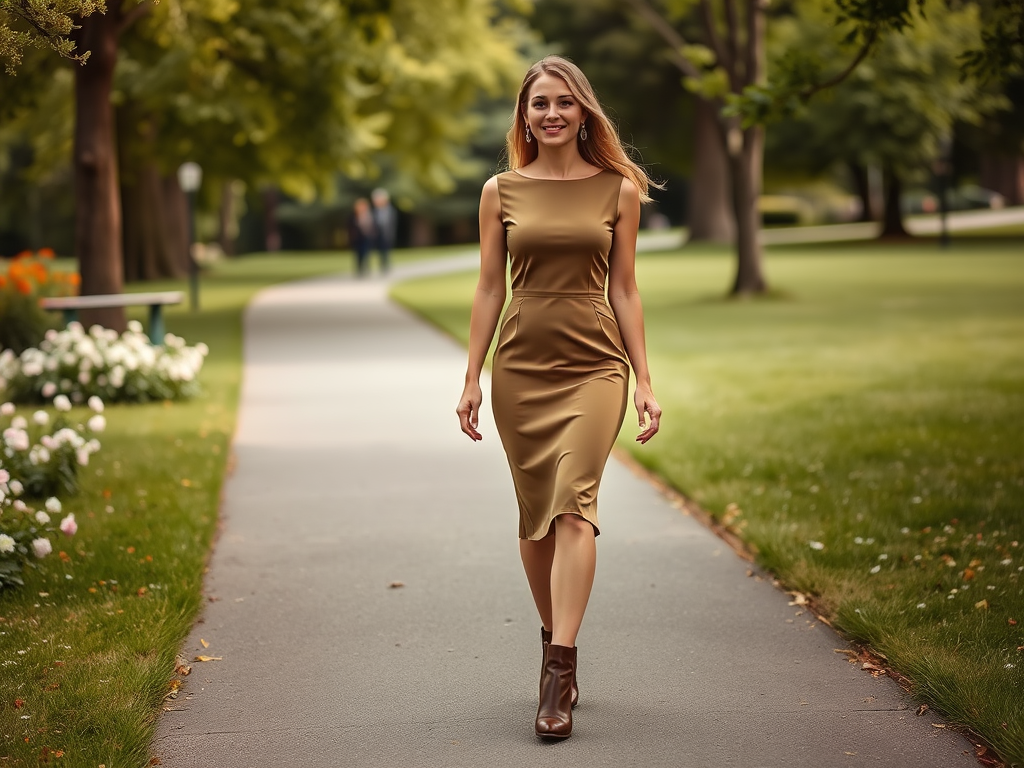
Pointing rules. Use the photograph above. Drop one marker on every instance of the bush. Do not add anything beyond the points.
(30, 277)
(39, 458)
(101, 363)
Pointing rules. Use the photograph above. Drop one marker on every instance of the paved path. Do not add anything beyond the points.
(352, 475)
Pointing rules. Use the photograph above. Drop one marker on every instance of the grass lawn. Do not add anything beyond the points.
(861, 431)
(87, 647)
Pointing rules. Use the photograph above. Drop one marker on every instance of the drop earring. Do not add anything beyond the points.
(529, 138)
(583, 132)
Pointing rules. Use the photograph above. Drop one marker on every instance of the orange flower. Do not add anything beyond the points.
(75, 279)
(23, 255)
(24, 286)
(3, 281)
(46, 253)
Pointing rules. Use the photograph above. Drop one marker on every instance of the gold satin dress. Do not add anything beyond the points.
(560, 374)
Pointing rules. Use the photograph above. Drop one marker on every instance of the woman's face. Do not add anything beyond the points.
(552, 112)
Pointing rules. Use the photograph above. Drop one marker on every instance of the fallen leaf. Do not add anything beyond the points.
(982, 605)
(208, 658)
(798, 598)
(847, 651)
(968, 574)
(922, 709)
(868, 665)
(19, 703)
(396, 584)
(141, 591)
(205, 644)
(1012, 622)
(155, 761)
(938, 725)
(181, 667)
(851, 754)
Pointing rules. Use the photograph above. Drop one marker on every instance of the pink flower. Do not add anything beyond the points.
(41, 547)
(68, 526)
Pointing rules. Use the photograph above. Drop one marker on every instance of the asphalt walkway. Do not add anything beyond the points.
(369, 607)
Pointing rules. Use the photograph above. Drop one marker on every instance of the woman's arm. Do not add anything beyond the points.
(624, 298)
(487, 304)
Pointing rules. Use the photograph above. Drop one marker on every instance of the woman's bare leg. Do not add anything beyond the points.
(537, 557)
(572, 576)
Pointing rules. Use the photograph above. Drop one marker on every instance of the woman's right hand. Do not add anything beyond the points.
(469, 410)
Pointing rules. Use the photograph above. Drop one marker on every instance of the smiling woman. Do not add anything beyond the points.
(567, 213)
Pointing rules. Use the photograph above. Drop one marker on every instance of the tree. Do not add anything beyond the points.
(898, 108)
(42, 23)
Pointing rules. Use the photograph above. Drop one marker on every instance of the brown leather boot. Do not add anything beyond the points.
(554, 715)
(545, 638)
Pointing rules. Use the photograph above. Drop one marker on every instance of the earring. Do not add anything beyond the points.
(583, 132)
(529, 138)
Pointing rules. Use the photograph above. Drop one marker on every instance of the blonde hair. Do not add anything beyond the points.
(603, 147)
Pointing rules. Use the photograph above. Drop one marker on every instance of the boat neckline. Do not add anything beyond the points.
(581, 178)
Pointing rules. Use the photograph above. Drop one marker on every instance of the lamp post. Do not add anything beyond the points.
(190, 177)
(942, 168)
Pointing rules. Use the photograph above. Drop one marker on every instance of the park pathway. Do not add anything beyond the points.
(369, 607)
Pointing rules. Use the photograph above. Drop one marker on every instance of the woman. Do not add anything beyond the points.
(567, 213)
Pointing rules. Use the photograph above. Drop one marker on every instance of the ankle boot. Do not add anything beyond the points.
(545, 638)
(554, 715)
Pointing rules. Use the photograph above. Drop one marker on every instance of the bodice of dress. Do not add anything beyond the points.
(559, 232)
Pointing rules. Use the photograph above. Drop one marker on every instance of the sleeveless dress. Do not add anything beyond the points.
(560, 374)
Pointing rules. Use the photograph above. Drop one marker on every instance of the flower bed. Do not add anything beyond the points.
(39, 458)
(28, 278)
(101, 363)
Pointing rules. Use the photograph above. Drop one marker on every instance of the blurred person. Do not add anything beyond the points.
(385, 222)
(361, 233)
(566, 214)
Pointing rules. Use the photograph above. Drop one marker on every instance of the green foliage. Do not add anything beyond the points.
(40, 23)
(1001, 52)
(898, 105)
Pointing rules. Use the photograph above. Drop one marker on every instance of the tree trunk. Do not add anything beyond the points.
(892, 218)
(746, 167)
(862, 185)
(710, 218)
(97, 199)
(272, 229)
(227, 228)
(1003, 174)
(176, 226)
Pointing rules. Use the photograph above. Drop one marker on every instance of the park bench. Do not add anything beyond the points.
(156, 301)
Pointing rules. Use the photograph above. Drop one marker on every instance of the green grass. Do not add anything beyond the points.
(874, 404)
(88, 645)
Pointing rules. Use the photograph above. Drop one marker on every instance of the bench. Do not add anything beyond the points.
(70, 305)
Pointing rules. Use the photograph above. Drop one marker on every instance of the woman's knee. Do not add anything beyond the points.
(573, 524)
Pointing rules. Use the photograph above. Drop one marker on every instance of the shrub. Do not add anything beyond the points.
(39, 458)
(30, 277)
(101, 363)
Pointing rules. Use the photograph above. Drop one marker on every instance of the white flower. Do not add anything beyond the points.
(883, 557)
(6, 544)
(40, 417)
(61, 403)
(41, 547)
(96, 404)
(19, 422)
(97, 423)
(82, 457)
(49, 390)
(42, 518)
(20, 506)
(817, 545)
(921, 605)
(16, 487)
(7, 409)
(876, 569)
(68, 526)
(53, 505)
(135, 326)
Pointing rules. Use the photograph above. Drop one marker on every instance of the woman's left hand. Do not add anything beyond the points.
(646, 405)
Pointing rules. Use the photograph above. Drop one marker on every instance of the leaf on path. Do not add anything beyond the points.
(846, 651)
(938, 725)
(208, 658)
(869, 666)
(922, 709)
(181, 667)
(798, 598)
(396, 585)
(205, 644)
